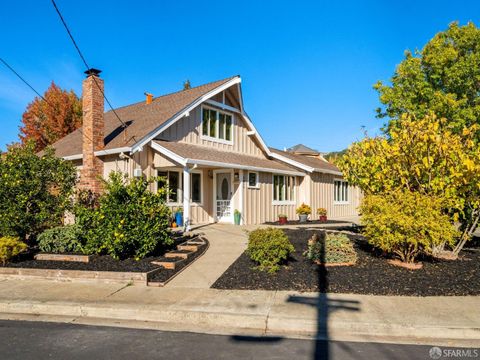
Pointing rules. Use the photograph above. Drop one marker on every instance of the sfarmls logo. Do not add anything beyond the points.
(437, 353)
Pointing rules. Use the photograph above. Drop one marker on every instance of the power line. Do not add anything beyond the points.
(85, 62)
(41, 96)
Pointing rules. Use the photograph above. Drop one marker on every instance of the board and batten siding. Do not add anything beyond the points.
(321, 195)
(258, 203)
(189, 130)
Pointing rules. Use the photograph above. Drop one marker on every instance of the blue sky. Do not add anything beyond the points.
(307, 66)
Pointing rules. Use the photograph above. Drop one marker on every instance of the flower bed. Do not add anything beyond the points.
(371, 274)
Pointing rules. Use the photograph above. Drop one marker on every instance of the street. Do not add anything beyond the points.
(40, 340)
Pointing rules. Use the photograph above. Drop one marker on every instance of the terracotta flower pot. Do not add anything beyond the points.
(282, 220)
(323, 218)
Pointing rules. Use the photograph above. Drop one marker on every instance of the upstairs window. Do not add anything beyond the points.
(340, 191)
(217, 125)
(283, 188)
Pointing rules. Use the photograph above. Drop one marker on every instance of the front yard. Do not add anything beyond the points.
(371, 274)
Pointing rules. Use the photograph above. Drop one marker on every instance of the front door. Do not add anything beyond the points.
(223, 194)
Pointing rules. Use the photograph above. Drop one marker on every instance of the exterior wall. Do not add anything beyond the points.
(258, 203)
(189, 130)
(321, 195)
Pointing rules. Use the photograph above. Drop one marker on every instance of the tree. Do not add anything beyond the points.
(422, 156)
(46, 121)
(35, 191)
(442, 78)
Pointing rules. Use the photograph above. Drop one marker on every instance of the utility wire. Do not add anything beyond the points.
(85, 62)
(41, 96)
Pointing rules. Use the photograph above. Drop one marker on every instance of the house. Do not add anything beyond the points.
(213, 159)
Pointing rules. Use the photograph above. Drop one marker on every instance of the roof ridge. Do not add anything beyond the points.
(174, 92)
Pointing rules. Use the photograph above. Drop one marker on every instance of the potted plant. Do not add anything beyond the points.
(303, 211)
(179, 216)
(237, 216)
(282, 219)
(322, 214)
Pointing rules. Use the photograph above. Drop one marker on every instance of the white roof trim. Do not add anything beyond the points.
(99, 153)
(242, 167)
(168, 153)
(150, 136)
(329, 171)
(292, 162)
(73, 157)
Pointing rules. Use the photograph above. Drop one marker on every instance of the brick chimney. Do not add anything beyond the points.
(93, 131)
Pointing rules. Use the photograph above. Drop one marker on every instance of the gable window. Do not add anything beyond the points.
(283, 188)
(253, 180)
(340, 191)
(217, 125)
(170, 180)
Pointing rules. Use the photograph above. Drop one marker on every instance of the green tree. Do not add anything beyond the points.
(35, 191)
(444, 78)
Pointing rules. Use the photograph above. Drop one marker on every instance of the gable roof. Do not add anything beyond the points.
(141, 120)
(300, 148)
(316, 163)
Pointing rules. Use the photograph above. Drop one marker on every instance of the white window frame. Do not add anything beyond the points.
(257, 180)
(284, 202)
(180, 184)
(341, 202)
(217, 139)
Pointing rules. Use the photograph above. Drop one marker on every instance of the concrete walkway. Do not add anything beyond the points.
(227, 243)
(450, 321)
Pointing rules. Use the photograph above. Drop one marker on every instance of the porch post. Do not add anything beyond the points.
(240, 202)
(186, 199)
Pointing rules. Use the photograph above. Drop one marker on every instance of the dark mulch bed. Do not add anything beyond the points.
(166, 274)
(97, 262)
(371, 275)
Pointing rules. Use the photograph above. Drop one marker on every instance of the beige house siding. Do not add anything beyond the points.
(189, 130)
(321, 195)
(258, 203)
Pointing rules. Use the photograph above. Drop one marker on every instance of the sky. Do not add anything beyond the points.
(307, 67)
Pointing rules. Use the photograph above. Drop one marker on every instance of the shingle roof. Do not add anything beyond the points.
(313, 162)
(197, 152)
(300, 148)
(140, 118)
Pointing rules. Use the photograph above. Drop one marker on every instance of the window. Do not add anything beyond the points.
(216, 125)
(340, 191)
(283, 188)
(196, 183)
(253, 180)
(170, 179)
(173, 180)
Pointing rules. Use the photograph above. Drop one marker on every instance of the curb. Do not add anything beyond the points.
(223, 323)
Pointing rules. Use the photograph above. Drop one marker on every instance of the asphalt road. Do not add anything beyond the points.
(40, 340)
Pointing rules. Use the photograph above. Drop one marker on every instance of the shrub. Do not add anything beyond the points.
(61, 239)
(406, 224)
(330, 248)
(10, 247)
(34, 191)
(304, 209)
(268, 247)
(129, 221)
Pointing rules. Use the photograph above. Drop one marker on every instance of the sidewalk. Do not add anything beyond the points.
(451, 321)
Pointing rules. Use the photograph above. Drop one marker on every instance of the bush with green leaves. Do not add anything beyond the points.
(406, 224)
(61, 239)
(330, 248)
(269, 247)
(9, 247)
(35, 191)
(129, 220)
